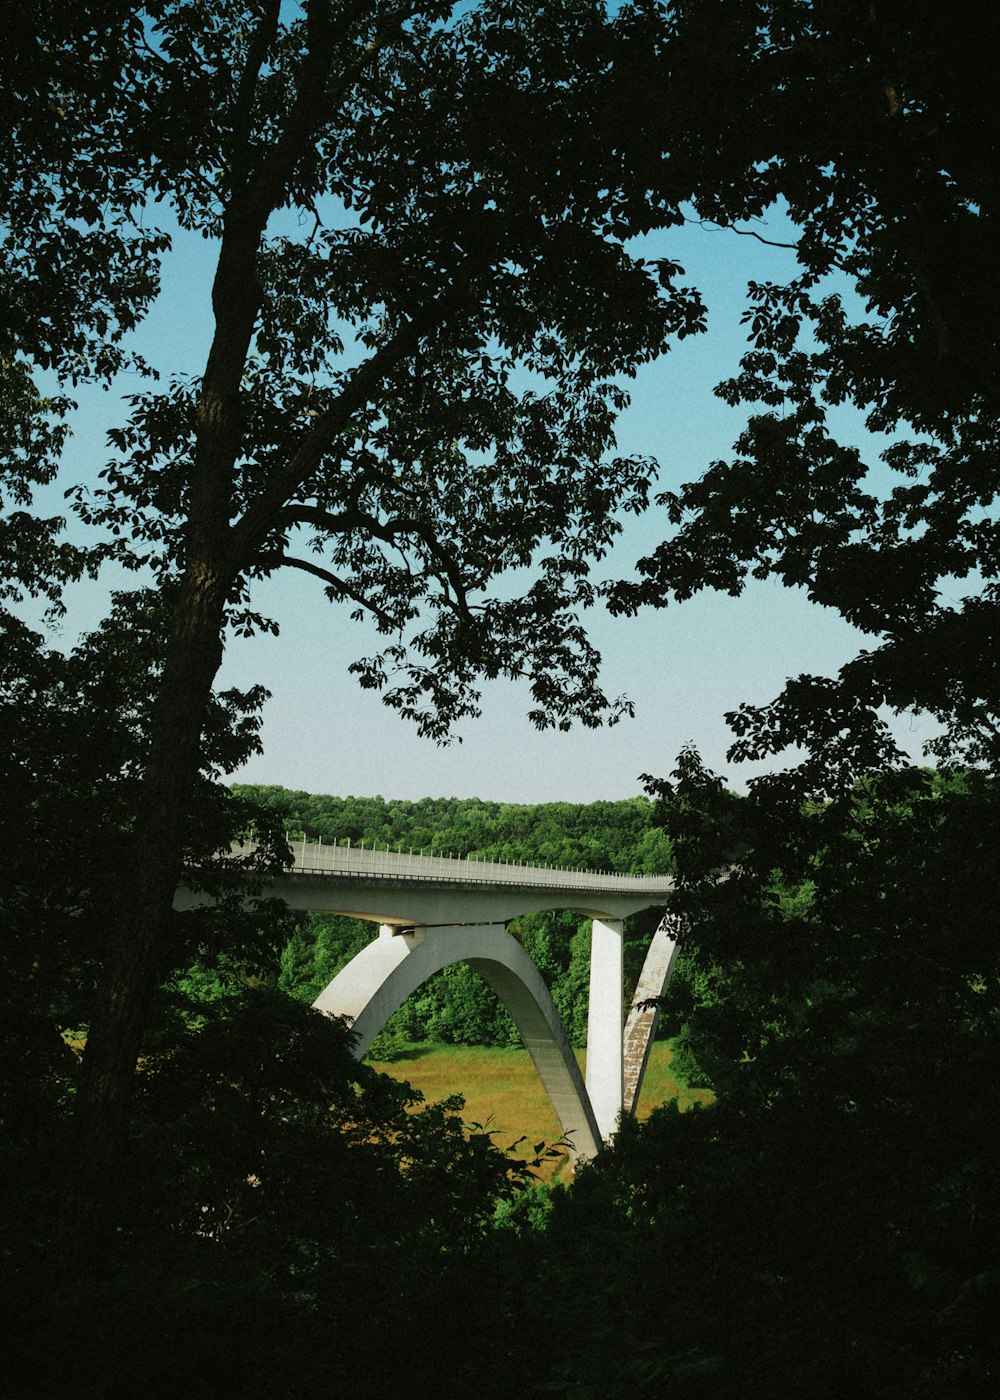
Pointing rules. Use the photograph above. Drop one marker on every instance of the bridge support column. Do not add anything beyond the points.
(644, 1013)
(605, 1025)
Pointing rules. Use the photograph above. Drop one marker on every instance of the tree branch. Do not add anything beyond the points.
(322, 519)
(750, 233)
(389, 29)
(362, 384)
(308, 109)
(263, 38)
(713, 227)
(446, 571)
(335, 582)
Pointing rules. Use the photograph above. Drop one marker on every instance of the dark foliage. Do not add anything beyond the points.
(867, 470)
(831, 1225)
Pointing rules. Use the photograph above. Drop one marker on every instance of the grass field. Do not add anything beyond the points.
(502, 1090)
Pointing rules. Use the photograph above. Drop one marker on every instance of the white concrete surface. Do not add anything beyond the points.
(382, 976)
(438, 910)
(401, 888)
(604, 1025)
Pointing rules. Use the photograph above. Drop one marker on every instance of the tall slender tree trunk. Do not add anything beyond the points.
(137, 958)
(150, 871)
(214, 557)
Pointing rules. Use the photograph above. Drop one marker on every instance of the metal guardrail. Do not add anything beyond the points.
(361, 861)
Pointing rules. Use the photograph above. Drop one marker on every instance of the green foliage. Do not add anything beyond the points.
(389, 276)
(70, 768)
(841, 996)
(406, 487)
(243, 1123)
(320, 946)
(275, 1197)
(616, 836)
(830, 1224)
(529, 1212)
(458, 1008)
(829, 1227)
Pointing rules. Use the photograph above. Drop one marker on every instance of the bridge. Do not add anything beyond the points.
(433, 911)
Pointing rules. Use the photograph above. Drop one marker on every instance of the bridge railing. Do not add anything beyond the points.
(362, 861)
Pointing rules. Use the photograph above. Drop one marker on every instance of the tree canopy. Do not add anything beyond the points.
(872, 124)
(389, 277)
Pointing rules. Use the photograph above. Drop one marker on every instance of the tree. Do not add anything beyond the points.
(840, 990)
(834, 1210)
(277, 1199)
(70, 764)
(79, 270)
(877, 126)
(358, 417)
(829, 1223)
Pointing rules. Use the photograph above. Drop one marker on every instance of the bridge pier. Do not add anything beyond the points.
(644, 1013)
(605, 1025)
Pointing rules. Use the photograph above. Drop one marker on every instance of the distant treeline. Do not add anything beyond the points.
(457, 1006)
(615, 836)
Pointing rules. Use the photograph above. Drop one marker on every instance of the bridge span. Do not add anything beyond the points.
(402, 888)
(433, 911)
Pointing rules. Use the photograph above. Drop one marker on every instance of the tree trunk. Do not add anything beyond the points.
(149, 876)
(214, 556)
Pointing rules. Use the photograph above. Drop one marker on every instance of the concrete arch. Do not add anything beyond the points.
(380, 978)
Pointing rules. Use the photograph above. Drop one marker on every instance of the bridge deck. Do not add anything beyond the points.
(404, 889)
(367, 863)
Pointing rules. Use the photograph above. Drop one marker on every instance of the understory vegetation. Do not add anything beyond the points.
(502, 1092)
(822, 1220)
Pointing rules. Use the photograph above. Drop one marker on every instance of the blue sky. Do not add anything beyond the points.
(682, 667)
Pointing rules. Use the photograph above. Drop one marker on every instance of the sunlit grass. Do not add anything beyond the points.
(502, 1090)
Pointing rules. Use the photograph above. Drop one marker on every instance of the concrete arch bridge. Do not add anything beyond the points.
(433, 911)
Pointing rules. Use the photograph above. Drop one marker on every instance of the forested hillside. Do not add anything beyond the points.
(617, 836)
(457, 1007)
